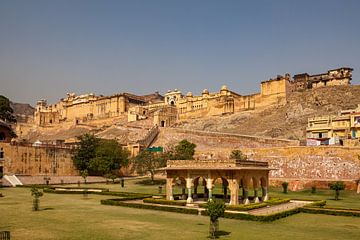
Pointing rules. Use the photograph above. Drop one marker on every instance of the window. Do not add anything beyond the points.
(2, 136)
(1, 153)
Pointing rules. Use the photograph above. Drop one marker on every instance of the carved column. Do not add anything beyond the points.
(234, 191)
(246, 191)
(169, 189)
(188, 186)
(256, 190)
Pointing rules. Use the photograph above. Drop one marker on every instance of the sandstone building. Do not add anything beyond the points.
(335, 129)
(334, 77)
(174, 106)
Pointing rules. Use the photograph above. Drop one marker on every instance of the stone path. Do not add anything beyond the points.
(261, 211)
(279, 208)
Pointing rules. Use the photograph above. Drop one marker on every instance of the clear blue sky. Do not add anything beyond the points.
(49, 48)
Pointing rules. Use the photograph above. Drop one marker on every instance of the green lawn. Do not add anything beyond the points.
(349, 199)
(66, 216)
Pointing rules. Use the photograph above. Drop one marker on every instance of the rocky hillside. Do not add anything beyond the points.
(288, 121)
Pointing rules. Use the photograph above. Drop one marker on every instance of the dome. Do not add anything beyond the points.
(224, 88)
(189, 94)
(205, 91)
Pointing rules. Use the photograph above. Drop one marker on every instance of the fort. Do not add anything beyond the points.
(176, 106)
(139, 122)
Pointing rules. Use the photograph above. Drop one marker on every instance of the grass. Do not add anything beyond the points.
(74, 217)
(349, 199)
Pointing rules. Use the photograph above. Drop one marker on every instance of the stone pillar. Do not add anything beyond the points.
(234, 192)
(256, 195)
(169, 189)
(265, 196)
(246, 196)
(188, 186)
(209, 186)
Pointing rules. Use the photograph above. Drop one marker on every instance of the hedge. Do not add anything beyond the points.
(120, 202)
(277, 201)
(331, 212)
(118, 194)
(319, 203)
(164, 201)
(240, 207)
(262, 218)
(247, 207)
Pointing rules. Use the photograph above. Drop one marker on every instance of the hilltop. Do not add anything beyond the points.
(288, 121)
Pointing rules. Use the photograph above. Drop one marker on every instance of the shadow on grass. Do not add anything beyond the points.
(48, 208)
(220, 234)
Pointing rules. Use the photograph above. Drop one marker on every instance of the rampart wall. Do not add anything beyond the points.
(30, 160)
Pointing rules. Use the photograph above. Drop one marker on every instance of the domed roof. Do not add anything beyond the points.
(205, 91)
(224, 87)
(189, 94)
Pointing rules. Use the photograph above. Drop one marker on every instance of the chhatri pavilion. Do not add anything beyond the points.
(232, 173)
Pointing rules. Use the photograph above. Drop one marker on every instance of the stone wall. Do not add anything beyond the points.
(215, 142)
(30, 160)
(307, 166)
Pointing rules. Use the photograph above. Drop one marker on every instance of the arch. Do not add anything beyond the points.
(224, 185)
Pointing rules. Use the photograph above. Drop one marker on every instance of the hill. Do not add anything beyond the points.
(288, 121)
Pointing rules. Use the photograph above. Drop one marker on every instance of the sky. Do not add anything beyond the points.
(50, 48)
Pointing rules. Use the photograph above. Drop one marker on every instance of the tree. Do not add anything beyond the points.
(184, 150)
(285, 187)
(147, 161)
(109, 158)
(85, 151)
(337, 187)
(6, 112)
(36, 194)
(237, 154)
(215, 209)
(84, 174)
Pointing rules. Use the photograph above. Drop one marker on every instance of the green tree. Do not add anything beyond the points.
(85, 151)
(148, 162)
(36, 194)
(184, 150)
(109, 158)
(6, 112)
(215, 209)
(237, 154)
(337, 187)
(285, 187)
(84, 174)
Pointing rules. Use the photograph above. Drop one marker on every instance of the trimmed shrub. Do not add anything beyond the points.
(120, 202)
(331, 212)
(243, 207)
(165, 202)
(277, 201)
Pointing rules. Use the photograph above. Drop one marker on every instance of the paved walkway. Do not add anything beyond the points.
(261, 211)
(278, 208)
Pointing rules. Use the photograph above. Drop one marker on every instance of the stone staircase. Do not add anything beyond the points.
(13, 180)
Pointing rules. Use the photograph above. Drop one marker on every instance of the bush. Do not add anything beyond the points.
(337, 187)
(165, 202)
(120, 202)
(277, 201)
(313, 189)
(285, 187)
(331, 212)
(248, 207)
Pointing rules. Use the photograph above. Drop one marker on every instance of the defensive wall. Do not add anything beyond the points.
(304, 166)
(29, 160)
(217, 142)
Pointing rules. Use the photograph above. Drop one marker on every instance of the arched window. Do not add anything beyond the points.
(1, 153)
